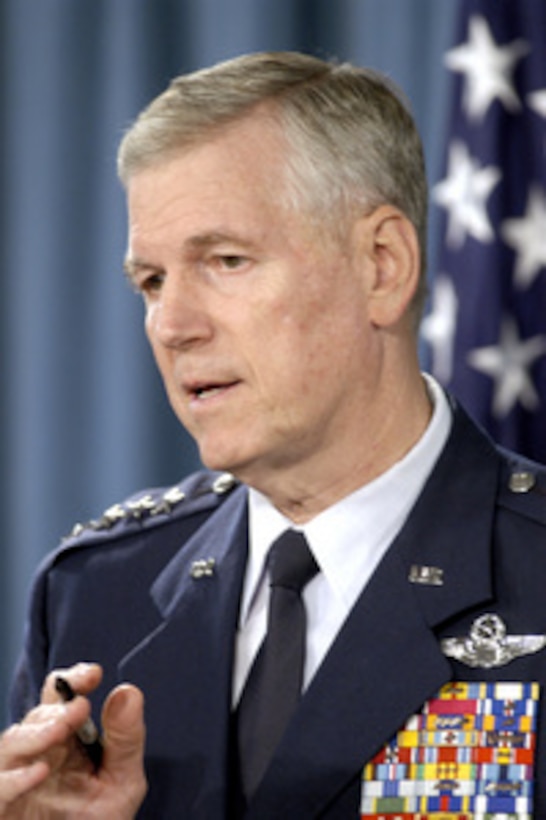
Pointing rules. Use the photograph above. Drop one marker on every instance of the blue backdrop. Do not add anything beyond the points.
(84, 418)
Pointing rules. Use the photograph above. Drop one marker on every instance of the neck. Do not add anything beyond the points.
(302, 490)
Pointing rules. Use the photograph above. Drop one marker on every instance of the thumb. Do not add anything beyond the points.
(124, 732)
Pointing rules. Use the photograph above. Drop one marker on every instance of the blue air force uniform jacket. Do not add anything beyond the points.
(151, 591)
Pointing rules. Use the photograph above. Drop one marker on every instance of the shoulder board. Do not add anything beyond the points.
(523, 486)
(155, 506)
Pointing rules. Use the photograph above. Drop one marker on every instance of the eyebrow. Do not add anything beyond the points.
(212, 238)
(132, 266)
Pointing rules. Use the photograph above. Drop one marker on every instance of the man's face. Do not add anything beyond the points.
(258, 322)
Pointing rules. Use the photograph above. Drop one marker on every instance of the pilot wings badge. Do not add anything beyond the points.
(487, 644)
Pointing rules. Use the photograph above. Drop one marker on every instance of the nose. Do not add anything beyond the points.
(177, 317)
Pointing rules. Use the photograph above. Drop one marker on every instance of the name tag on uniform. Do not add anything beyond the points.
(468, 754)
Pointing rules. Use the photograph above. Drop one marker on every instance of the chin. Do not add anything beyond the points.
(215, 458)
(242, 465)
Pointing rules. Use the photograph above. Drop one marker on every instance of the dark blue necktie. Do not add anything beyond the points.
(273, 688)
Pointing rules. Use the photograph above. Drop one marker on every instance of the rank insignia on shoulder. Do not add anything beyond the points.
(145, 506)
(160, 502)
(487, 645)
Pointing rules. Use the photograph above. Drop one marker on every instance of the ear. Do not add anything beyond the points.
(392, 263)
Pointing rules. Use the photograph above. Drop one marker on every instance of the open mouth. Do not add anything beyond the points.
(208, 391)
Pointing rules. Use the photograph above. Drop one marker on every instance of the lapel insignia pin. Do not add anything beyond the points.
(431, 576)
(203, 568)
(487, 644)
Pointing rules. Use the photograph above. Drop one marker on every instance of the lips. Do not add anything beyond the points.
(208, 390)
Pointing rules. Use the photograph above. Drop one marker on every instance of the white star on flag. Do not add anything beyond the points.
(508, 363)
(464, 193)
(537, 101)
(488, 68)
(527, 236)
(438, 327)
(492, 224)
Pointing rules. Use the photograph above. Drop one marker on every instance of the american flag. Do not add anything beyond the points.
(486, 328)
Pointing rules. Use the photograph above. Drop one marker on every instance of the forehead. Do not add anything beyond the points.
(253, 149)
(235, 178)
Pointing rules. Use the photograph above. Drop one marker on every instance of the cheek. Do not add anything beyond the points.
(334, 352)
(300, 355)
(326, 324)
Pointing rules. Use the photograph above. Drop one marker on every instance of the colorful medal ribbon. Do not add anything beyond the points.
(467, 756)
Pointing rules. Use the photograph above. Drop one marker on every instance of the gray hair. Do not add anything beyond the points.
(353, 141)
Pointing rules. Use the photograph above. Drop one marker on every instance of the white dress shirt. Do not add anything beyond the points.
(348, 541)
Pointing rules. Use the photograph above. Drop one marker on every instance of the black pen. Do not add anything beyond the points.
(87, 734)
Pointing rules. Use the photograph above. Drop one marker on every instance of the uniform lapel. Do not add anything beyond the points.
(386, 661)
(184, 666)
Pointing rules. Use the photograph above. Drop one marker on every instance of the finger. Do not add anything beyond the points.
(124, 735)
(17, 782)
(42, 729)
(82, 677)
(62, 719)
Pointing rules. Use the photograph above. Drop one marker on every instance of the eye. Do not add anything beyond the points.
(231, 261)
(152, 283)
(147, 284)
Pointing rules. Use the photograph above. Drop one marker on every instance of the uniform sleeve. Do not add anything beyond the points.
(32, 666)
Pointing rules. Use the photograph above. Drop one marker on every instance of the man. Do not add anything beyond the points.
(277, 209)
